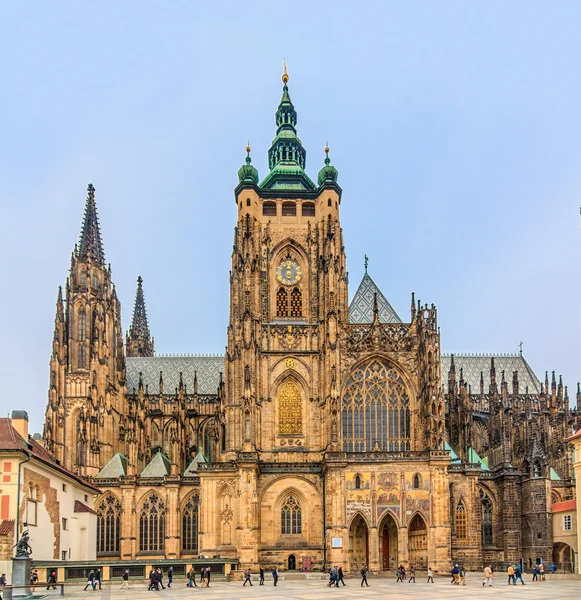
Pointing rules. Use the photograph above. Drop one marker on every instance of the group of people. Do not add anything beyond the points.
(248, 576)
(336, 576)
(401, 574)
(205, 575)
(93, 580)
(458, 575)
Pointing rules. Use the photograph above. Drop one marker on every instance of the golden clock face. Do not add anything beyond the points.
(288, 272)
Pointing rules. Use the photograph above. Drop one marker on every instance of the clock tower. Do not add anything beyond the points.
(288, 302)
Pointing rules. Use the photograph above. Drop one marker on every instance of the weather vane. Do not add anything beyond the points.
(366, 263)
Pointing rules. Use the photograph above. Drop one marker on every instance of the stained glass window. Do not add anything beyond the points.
(108, 524)
(290, 409)
(82, 358)
(82, 325)
(460, 521)
(190, 525)
(376, 410)
(486, 505)
(291, 518)
(152, 525)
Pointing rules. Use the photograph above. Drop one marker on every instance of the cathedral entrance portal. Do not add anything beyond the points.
(418, 542)
(292, 563)
(358, 544)
(388, 543)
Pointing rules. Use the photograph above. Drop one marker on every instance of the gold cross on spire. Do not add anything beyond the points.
(284, 72)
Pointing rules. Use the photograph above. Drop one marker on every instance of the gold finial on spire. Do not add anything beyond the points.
(248, 148)
(327, 147)
(285, 72)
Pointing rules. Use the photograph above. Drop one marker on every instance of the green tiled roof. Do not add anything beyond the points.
(193, 466)
(554, 475)
(475, 459)
(116, 467)
(158, 466)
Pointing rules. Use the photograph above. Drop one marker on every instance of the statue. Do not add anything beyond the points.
(23, 549)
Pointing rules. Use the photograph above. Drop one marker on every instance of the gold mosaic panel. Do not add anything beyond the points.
(290, 410)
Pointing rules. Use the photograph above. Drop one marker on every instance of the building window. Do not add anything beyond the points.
(289, 209)
(296, 303)
(64, 487)
(308, 209)
(152, 525)
(537, 470)
(486, 508)
(357, 482)
(248, 203)
(269, 209)
(567, 523)
(94, 281)
(282, 303)
(329, 203)
(86, 498)
(190, 525)
(290, 410)
(108, 524)
(31, 513)
(416, 482)
(82, 325)
(291, 517)
(460, 521)
(65, 524)
(375, 410)
(64, 555)
(82, 362)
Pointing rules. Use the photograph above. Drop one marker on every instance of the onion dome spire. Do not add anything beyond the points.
(139, 340)
(90, 244)
(247, 172)
(328, 174)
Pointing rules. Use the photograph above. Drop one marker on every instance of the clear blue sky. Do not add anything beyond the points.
(455, 128)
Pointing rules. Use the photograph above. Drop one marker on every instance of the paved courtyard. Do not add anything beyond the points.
(317, 590)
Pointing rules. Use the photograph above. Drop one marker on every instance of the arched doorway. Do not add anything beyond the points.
(564, 557)
(388, 543)
(292, 563)
(358, 543)
(418, 542)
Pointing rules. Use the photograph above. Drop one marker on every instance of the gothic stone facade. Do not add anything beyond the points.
(329, 433)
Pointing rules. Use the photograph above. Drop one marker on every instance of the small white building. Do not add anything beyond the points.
(38, 494)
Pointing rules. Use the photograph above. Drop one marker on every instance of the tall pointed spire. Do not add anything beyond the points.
(287, 157)
(90, 244)
(139, 340)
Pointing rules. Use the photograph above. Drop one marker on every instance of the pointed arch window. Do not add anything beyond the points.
(108, 524)
(82, 329)
(537, 469)
(152, 524)
(190, 525)
(290, 409)
(487, 524)
(460, 521)
(375, 410)
(357, 482)
(282, 303)
(296, 303)
(416, 482)
(82, 358)
(291, 517)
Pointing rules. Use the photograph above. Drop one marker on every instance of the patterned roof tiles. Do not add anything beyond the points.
(474, 364)
(158, 466)
(207, 368)
(361, 307)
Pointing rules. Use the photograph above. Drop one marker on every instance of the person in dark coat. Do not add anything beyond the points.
(261, 575)
(275, 576)
(364, 576)
(98, 578)
(90, 580)
(51, 580)
(169, 576)
(340, 575)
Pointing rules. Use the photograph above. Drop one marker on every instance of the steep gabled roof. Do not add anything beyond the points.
(193, 466)
(361, 307)
(158, 466)
(116, 467)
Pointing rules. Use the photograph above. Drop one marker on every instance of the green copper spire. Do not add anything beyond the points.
(328, 174)
(287, 157)
(247, 172)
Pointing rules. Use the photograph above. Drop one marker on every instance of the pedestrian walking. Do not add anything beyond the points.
(430, 575)
(261, 575)
(364, 576)
(160, 577)
(169, 576)
(125, 584)
(455, 575)
(399, 575)
(535, 571)
(336, 576)
(340, 574)
(192, 577)
(51, 580)
(98, 578)
(275, 576)
(488, 575)
(3, 582)
(510, 572)
(208, 576)
(247, 578)
(462, 574)
(541, 572)
(90, 580)
(33, 580)
(412, 574)
(518, 575)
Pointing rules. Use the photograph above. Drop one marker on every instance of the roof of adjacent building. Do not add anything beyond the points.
(12, 441)
(207, 368)
(361, 307)
(473, 365)
(564, 506)
(80, 507)
(7, 527)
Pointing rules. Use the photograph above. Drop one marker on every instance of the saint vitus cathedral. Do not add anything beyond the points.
(329, 433)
